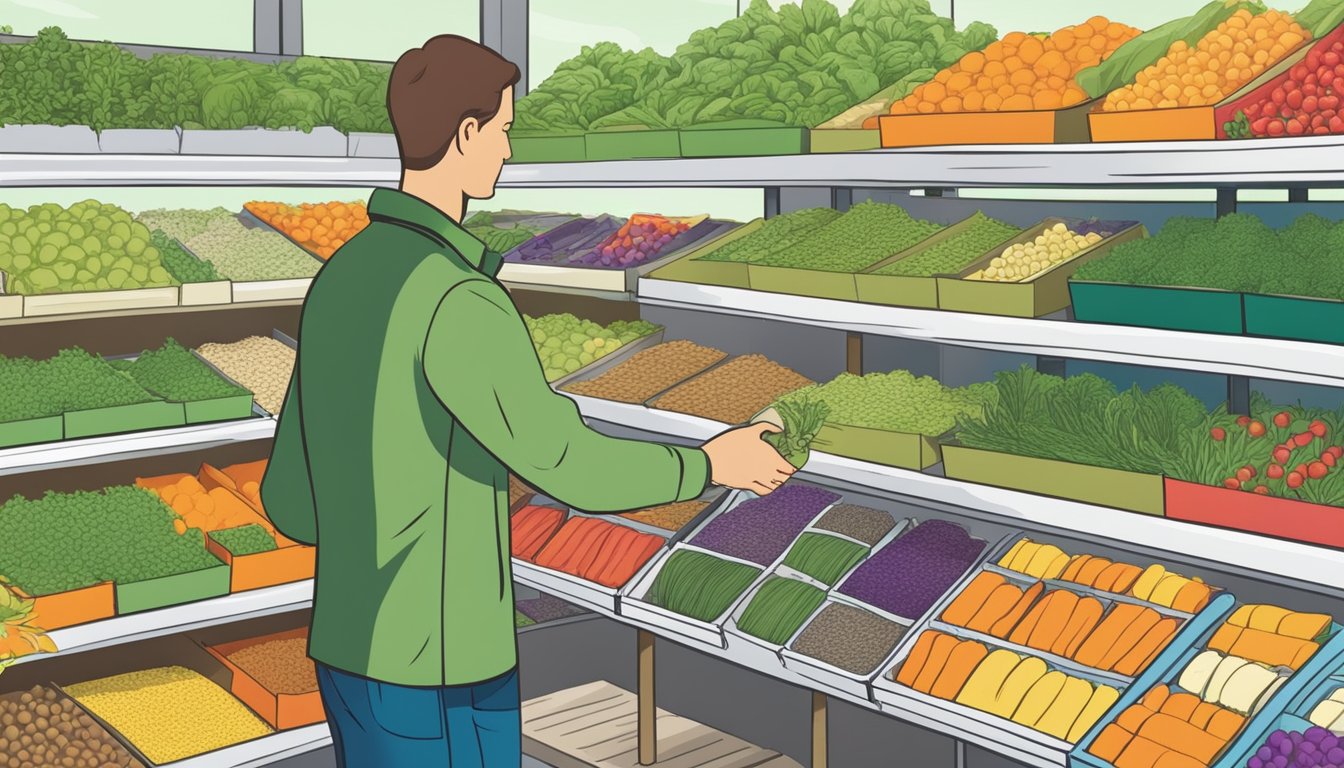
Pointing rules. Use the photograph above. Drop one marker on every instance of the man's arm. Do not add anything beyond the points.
(286, 489)
(480, 363)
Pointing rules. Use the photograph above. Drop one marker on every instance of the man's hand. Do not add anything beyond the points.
(740, 459)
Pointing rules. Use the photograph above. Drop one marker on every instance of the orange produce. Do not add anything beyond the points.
(531, 527)
(1021, 72)
(599, 551)
(212, 510)
(1166, 730)
(1224, 60)
(319, 227)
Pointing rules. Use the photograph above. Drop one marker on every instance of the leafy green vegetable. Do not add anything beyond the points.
(247, 539)
(184, 267)
(1320, 16)
(956, 252)
(823, 557)
(700, 586)
(775, 234)
(175, 374)
(1134, 56)
(897, 401)
(866, 234)
(803, 419)
(779, 608)
(90, 246)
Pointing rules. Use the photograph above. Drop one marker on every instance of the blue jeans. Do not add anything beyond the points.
(381, 725)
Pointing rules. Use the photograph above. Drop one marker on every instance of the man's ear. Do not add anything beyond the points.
(467, 131)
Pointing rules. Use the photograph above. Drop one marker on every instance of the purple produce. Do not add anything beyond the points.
(759, 530)
(1314, 748)
(1100, 227)
(651, 245)
(576, 236)
(907, 576)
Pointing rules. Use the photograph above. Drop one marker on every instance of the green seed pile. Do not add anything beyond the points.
(897, 401)
(245, 539)
(779, 608)
(824, 558)
(184, 267)
(565, 343)
(868, 233)
(169, 713)
(281, 666)
(957, 252)
(259, 363)
(175, 374)
(244, 254)
(700, 586)
(735, 391)
(90, 246)
(860, 523)
(649, 372)
(850, 638)
(65, 541)
(775, 235)
(182, 223)
(40, 727)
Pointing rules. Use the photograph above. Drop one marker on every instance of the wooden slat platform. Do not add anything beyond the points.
(593, 726)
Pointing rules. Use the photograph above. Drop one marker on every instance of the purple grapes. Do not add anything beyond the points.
(1313, 748)
(759, 530)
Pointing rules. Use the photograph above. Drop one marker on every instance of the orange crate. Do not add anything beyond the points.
(73, 607)
(281, 710)
(1061, 126)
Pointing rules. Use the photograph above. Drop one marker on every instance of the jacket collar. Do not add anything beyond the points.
(397, 207)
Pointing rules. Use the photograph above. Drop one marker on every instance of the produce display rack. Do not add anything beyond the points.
(76, 156)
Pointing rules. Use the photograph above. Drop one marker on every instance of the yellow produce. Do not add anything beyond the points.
(169, 713)
(1014, 689)
(984, 683)
(1039, 698)
(1103, 698)
(1148, 580)
(1023, 260)
(1224, 60)
(1060, 717)
(1041, 561)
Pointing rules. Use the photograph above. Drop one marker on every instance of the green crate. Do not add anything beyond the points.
(1102, 486)
(905, 290)
(803, 282)
(828, 140)
(557, 148)
(879, 446)
(219, 409)
(176, 589)
(1178, 309)
(44, 429)
(1293, 317)
(692, 268)
(157, 414)
(632, 143)
(743, 138)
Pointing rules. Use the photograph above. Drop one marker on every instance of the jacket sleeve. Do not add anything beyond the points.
(480, 363)
(286, 488)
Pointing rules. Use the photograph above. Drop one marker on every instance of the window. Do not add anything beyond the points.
(385, 29)
(218, 24)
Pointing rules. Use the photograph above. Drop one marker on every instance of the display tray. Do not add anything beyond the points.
(752, 651)
(797, 281)
(611, 360)
(44, 429)
(1054, 126)
(92, 422)
(73, 607)
(1167, 668)
(286, 563)
(206, 294)
(47, 305)
(1231, 111)
(174, 589)
(1295, 317)
(635, 607)
(1205, 310)
(248, 291)
(829, 140)
(552, 148)
(829, 676)
(280, 710)
(879, 446)
(1037, 296)
(1289, 714)
(229, 408)
(1102, 486)
(1266, 515)
(743, 138)
(906, 290)
(692, 267)
(633, 143)
(11, 306)
(320, 141)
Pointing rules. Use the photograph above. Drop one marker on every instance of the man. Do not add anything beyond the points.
(416, 391)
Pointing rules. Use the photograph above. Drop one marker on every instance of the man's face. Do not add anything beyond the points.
(487, 149)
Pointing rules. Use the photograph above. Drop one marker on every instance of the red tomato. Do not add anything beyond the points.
(1218, 434)
(1282, 419)
(1294, 480)
(1257, 429)
(1318, 428)
(1317, 470)
(1231, 483)
(1281, 455)
(1328, 459)
(1274, 471)
(1262, 490)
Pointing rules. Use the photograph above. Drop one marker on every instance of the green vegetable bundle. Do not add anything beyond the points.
(184, 267)
(824, 558)
(803, 419)
(103, 86)
(700, 586)
(866, 234)
(245, 539)
(175, 374)
(799, 65)
(66, 541)
(954, 253)
(775, 234)
(1084, 420)
(779, 608)
(897, 401)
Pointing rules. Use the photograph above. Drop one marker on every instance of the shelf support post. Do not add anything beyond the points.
(647, 737)
(819, 733)
(854, 353)
(291, 27)
(504, 29)
(842, 198)
(1053, 366)
(1298, 194)
(1227, 201)
(958, 753)
(266, 23)
(1239, 395)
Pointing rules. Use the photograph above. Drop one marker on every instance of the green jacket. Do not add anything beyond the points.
(415, 391)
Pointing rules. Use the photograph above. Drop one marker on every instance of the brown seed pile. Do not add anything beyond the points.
(282, 666)
(649, 372)
(850, 638)
(40, 727)
(518, 490)
(670, 517)
(259, 363)
(734, 391)
(859, 523)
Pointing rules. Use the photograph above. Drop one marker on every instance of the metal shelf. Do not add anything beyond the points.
(1196, 164)
(263, 751)
(1249, 356)
(95, 450)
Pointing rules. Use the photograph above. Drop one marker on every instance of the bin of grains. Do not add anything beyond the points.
(41, 727)
(735, 391)
(649, 372)
(259, 363)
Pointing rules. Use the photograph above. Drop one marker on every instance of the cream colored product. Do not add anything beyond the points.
(1330, 713)
(1227, 668)
(169, 713)
(1023, 260)
(259, 363)
(1246, 688)
(1196, 675)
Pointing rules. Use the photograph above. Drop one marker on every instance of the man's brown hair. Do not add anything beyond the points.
(437, 86)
